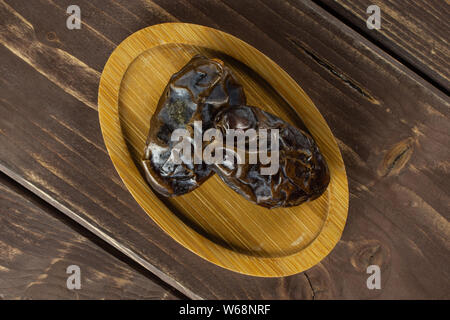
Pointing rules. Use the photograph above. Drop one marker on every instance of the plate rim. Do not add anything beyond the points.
(108, 107)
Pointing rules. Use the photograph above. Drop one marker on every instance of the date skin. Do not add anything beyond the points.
(198, 91)
(302, 175)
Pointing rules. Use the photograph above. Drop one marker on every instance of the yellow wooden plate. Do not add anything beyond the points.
(213, 221)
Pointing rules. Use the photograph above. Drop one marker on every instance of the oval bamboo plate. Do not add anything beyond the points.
(213, 221)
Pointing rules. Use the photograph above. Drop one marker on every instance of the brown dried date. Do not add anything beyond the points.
(302, 174)
(197, 92)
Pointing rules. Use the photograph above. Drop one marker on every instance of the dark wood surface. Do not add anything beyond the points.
(415, 31)
(38, 243)
(391, 124)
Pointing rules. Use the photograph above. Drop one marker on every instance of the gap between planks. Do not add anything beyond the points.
(100, 234)
(391, 53)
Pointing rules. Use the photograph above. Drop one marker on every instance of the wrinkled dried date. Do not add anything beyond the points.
(302, 173)
(205, 90)
(197, 92)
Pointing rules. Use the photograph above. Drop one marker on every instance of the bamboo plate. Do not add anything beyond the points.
(213, 221)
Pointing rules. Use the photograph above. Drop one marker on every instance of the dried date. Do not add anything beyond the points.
(302, 173)
(197, 92)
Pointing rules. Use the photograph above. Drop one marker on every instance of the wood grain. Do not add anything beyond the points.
(415, 32)
(37, 244)
(50, 141)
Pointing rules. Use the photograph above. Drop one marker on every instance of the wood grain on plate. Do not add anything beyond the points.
(37, 245)
(379, 111)
(417, 32)
(214, 221)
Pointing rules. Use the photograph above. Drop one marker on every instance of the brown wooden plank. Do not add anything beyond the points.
(391, 125)
(38, 243)
(417, 32)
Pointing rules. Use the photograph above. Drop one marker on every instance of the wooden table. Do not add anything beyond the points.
(384, 94)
